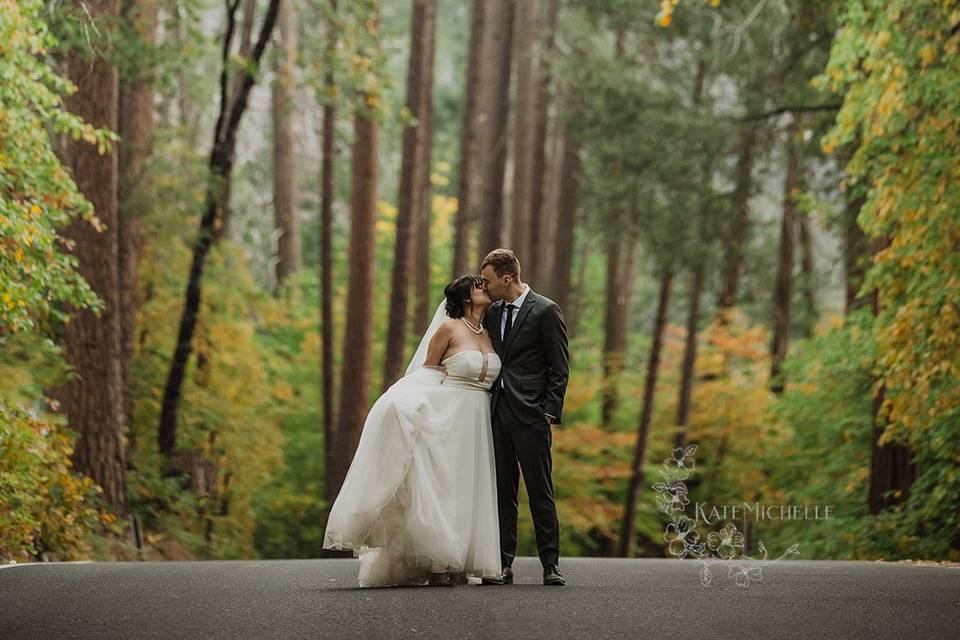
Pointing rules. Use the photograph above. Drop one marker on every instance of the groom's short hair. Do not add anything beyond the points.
(503, 261)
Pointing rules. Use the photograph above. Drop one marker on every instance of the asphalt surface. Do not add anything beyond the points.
(604, 598)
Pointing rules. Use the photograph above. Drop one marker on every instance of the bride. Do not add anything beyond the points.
(419, 503)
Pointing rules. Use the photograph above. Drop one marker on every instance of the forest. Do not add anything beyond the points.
(224, 226)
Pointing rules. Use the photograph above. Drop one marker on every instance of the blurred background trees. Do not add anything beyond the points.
(225, 226)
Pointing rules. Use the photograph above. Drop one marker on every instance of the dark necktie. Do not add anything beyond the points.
(506, 329)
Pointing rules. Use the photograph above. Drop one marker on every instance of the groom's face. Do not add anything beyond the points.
(496, 287)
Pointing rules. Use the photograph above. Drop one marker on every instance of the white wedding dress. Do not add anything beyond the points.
(420, 495)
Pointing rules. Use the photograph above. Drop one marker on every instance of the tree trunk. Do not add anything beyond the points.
(578, 288)
(355, 378)
(411, 184)
(424, 216)
(646, 415)
(220, 165)
(136, 125)
(568, 201)
(539, 216)
(222, 227)
(689, 357)
(93, 399)
(525, 119)
(497, 93)
(892, 469)
(286, 199)
(326, 270)
(807, 280)
(470, 144)
(621, 257)
(696, 286)
(783, 288)
(737, 232)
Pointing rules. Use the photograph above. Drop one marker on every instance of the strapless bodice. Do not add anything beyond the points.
(471, 369)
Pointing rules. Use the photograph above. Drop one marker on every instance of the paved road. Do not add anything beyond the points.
(604, 598)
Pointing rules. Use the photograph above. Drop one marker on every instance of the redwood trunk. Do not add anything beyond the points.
(490, 210)
(737, 232)
(285, 192)
(326, 274)
(93, 399)
(620, 267)
(411, 182)
(356, 372)
(568, 202)
(422, 266)
(521, 219)
(541, 251)
(470, 145)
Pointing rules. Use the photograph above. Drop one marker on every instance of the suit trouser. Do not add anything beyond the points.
(525, 447)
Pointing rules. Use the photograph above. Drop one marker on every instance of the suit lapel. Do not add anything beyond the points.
(497, 313)
(528, 303)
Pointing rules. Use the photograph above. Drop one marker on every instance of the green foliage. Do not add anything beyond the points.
(37, 196)
(899, 65)
(45, 507)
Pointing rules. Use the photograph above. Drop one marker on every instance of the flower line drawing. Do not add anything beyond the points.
(681, 533)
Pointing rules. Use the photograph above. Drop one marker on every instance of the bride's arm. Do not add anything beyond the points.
(438, 347)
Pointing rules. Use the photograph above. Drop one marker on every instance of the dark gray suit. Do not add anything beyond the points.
(532, 383)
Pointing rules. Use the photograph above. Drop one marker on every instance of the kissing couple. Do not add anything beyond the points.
(431, 493)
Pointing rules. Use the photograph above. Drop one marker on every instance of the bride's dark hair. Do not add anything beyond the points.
(458, 293)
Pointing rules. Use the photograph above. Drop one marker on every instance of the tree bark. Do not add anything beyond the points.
(222, 227)
(411, 184)
(621, 257)
(783, 287)
(424, 215)
(470, 145)
(326, 270)
(689, 357)
(286, 196)
(521, 219)
(497, 92)
(136, 125)
(646, 415)
(220, 165)
(568, 202)
(539, 216)
(93, 399)
(355, 378)
(696, 285)
(808, 275)
(892, 468)
(737, 232)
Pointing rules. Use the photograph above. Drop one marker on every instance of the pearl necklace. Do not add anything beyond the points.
(475, 330)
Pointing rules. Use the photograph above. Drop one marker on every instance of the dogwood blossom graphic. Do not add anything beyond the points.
(681, 533)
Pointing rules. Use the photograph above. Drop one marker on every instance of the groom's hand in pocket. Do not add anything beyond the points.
(551, 421)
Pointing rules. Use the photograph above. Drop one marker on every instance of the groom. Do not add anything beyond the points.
(530, 338)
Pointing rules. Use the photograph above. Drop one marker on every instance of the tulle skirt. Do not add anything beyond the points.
(420, 495)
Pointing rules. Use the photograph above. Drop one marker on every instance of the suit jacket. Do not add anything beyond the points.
(535, 360)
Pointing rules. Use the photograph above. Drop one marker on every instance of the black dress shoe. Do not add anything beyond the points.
(505, 577)
(551, 576)
(441, 580)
